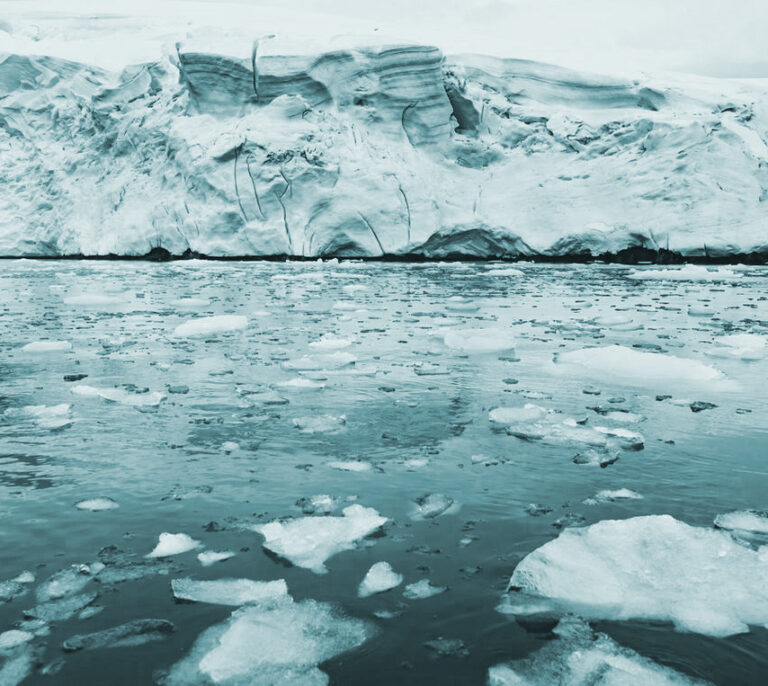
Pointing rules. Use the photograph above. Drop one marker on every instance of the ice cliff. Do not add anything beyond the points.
(266, 148)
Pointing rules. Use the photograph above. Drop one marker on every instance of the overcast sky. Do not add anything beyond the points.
(710, 37)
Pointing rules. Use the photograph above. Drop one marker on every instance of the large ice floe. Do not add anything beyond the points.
(648, 568)
(260, 144)
(273, 640)
(309, 541)
(581, 657)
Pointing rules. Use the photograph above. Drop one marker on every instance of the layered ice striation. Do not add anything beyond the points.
(652, 568)
(262, 147)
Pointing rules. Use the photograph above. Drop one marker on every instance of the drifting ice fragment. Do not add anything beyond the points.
(277, 642)
(97, 504)
(309, 541)
(47, 347)
(744, 522)
(46, 416)
(118, 395)
(422, 589)
(324, 423)
(206, 326)
(351, 466)
(13, 639)
(328, 342)
(579, 657)
(173, 544)
(654, 568)
(479, 340)
(431, 505)
(380, 577)
(310, 363)
(690, 272)
(131, 634)
(228, 591)
(209, 557)
(611, 496)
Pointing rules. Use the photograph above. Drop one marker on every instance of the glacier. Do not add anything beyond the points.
(263, 146)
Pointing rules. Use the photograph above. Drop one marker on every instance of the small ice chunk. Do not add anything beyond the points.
(118, 395)
(301, 384)
(324, 423)
(611, 496)
(134, 633)
(228, 591)
(95, 299)
(14, 638)
(97, 504)
(506, 416)
(62, 609)
(191, 302)
(422, 589)
(328, 342)
(209, 557)
(279, 642)
(47, 347)
(311, 363)
(431, 505)
(580, 656)
(745, 521)
(173, 544)
(489, 340)
(206, 326)
(504, 271)
(690, 272)
(380, 577)
(46, 416)
(230, 446)
(459, 304)
(654, 568)
(351, 466)
(309, 541)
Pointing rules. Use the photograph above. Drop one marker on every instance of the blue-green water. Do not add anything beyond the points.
(415, 410)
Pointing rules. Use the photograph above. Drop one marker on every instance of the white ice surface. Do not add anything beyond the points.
(173, 544)
(379, 578)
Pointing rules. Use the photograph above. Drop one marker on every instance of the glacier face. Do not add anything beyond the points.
(240, 148)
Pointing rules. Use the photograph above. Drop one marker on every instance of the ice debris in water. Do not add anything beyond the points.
(328, 342)
(45, 416)
(489, 340)
(13, 639)
(62, 609)
(380, 577)
(309, 541)
(206, 326)
(301, 384)
(309, 363)
(744, 346)
(96, 299)
(351, 466)
(581, 657)
(690, 272)
(118, 395)
(18, 665)
(504, 271)
(630, 365)
(134, 633)
(210, 557)
(97, 504)
(655, 568)
(15, 587)
(173, 544)
(324, 423)
(227, 591)
(431, 505)
(277, 641)
(744, 522)
(47, 347)
(422, 589)
(611, 496)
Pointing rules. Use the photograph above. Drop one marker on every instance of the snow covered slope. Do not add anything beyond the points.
(234, 146)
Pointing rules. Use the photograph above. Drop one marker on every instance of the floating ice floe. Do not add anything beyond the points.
(13, 639)
(309, 541)
(47, 347)
(119, 395)
(652, 568)
(206, 326)
(129, 635)
(689, 272)
(744, 522)
(210, 557)
(580, 657)
(433, 505)
(95, 300)
(335, 360)
(18, 586)
(612, 496)
(62, 609)
(504, 271)
(97, 504)
(380, 577)
(489, 340)
(423, 589)
(278, 641)
(191, 303)
(459, 304)
(321, 424)
(744, 346)
(301, 384)
(328, 342)
(227, 591)
(173, 544)
(67, 582)
(351, 466)
(634, 366)
(45, 416)
(18, 665)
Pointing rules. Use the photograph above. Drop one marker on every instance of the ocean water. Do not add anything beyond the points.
(229, 443)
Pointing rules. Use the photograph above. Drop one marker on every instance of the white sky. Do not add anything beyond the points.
(710, 37)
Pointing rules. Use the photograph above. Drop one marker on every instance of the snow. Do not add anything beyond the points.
(690, 272)
(651, 568)
(47, 347)
(118, 395)
(173, 544)
(422, 589)
(228, 591)
(97, 504)
(483, 340)
(309, 541)
(579, 656)
(619, 363)
(379, 578)
(207, 326)
(272, 642)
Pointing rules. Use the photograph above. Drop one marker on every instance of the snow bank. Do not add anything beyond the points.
(309, 541)
(653, 568)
